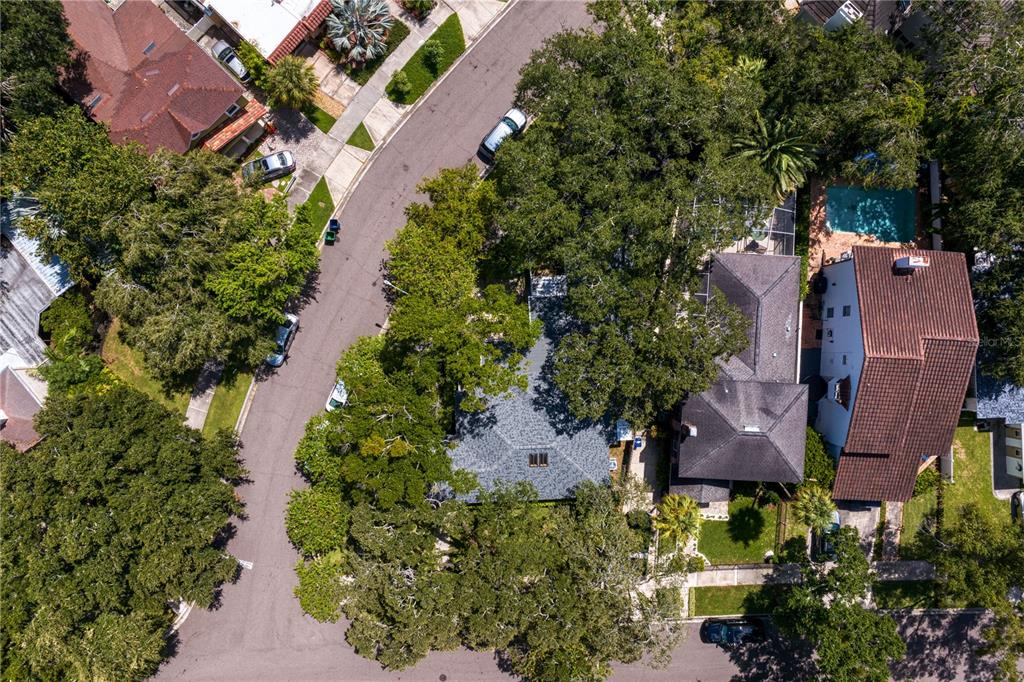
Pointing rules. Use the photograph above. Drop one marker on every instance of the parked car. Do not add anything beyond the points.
(512, 123)
(728, 632)
(225, 54)
(338, 397)
(285, 334)
(821, 542)
(270, 167)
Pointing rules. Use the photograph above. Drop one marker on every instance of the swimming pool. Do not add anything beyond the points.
(888, 214)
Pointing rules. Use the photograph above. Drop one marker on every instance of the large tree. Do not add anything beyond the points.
(196, 267)
(852, 643)
(976, 109)
(625, 182)
(112, 519)
(34, 47)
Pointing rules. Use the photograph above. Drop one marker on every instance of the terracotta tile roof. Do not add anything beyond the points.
(249, 115)
(143, 76)
(302, 30)
(920, 339)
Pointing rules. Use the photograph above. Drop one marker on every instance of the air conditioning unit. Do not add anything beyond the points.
(911, 263)
(846, 255)
(844, 16)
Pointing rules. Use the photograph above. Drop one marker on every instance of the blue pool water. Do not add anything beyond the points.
(888, 214)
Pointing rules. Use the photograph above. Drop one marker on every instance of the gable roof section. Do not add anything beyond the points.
(920, 339)
(496, 444)
(18, 403)
(143, 76)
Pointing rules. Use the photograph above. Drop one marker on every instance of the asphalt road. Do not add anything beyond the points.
(258, 631)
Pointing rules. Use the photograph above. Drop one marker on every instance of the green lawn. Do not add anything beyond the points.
(744, 538)
(321, 204)
(127, 364)
(361, 138)
(362, 74)
(905, 595)
(320, 118)
(449, 34)
(916, 511)
(727, 601)
(972, 476)
(227, 403)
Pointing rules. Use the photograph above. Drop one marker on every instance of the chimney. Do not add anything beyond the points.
(910, 264)
(691, 430)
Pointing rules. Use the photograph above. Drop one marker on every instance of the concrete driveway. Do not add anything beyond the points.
(258, 631)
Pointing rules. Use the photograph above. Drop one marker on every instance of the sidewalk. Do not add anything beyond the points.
(202, 395)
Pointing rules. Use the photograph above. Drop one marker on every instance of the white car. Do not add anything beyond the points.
(269, 167)
(223, 52)
(285, 334)
(512, 123)
(338, 397)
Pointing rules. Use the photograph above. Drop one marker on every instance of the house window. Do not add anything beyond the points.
(538, 459)
(846, 311)
(844, 359)
(830, 313)
(232, 110)
(195, 135)
(829, 333)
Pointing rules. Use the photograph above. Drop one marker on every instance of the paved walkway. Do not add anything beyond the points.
(202, 395)
(893, 530)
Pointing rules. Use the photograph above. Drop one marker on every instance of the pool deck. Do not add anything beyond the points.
(826, 245)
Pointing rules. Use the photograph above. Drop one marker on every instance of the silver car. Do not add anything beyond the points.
(285, 334)
(269, 167)
(512, 123)
(226, 55)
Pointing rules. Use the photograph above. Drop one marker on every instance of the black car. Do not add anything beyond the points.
(732, 631)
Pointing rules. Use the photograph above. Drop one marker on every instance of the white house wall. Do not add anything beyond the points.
(842, 352)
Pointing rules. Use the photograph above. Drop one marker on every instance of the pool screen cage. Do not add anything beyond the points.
(774, 235)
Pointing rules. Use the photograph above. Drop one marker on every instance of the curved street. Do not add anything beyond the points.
(258, 630)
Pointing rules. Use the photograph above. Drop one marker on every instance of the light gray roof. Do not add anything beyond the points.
(702, 490)
(1000, 399)
(496, 444)
(751, 423)
(28, 285)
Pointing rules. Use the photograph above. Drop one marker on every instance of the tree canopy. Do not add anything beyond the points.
(108, 522)
(852, 642)
(976, 104)
(195, 267)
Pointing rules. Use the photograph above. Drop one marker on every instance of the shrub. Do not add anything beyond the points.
(400, 85)
(63, 373)
(695, 564)
(433, 54)
(669, 601)
(927, 481)
(818, 464)
(676, 565)
(254, 63)
(770, 498)
(794, 551)
(418, 8)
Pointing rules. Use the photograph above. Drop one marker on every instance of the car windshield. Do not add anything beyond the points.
(264, 164)
(717, 631)
(510, 123)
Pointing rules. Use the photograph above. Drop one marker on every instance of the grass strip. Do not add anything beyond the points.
(361, 138)
(320, 118)
(320, 204)
(417, 69)
(128, 366)
(362, 74)
(227, 403)
(733, 599)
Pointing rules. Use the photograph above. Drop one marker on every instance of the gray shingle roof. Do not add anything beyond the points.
(496, 444)
(751, 423)
(700, 489)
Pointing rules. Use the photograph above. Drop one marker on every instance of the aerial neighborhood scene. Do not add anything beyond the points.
(544, 340)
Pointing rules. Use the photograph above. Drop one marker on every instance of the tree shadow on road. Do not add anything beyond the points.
(940, 645)
(775, 659)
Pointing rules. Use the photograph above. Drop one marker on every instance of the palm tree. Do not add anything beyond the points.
(814, 506)
(359, 28)
(678, 518)
(292, 83)
(783, 154)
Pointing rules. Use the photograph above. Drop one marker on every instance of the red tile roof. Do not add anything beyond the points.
(154, 85)
(302, 30)
(249, 115)
(920, 338)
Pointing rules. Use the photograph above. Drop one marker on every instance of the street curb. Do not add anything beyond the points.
(407, 114)
(246, 404)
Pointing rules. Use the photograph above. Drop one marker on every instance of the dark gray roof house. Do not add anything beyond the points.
(530, 435)
(750, 425)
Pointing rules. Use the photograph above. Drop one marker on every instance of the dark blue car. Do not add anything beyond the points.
(730, 632)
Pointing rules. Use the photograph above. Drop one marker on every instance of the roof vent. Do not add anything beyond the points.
(174, 89)
(149, 48)
(752, 429)
(911, 263)
(146, 116)
(92, 103)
